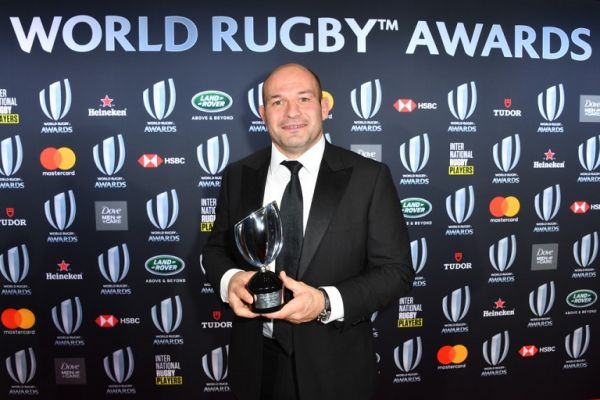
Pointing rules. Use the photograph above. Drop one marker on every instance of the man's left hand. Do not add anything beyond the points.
(306, 305)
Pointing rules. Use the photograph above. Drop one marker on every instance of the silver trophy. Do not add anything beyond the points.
(259, 238)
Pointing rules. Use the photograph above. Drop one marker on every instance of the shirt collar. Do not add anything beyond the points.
(311, 159)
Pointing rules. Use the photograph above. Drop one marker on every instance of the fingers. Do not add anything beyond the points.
(239, 297)
(304, 307)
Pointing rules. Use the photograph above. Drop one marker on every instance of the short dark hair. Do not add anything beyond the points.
(310, 71)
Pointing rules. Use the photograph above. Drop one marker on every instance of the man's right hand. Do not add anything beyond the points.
(239, 297)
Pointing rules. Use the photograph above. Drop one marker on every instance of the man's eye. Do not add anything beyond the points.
(304, 99)
(277, 102)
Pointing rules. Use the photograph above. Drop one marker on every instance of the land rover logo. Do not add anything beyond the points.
(212, 101)
(415, 207)
(582, 298)
(164, 265)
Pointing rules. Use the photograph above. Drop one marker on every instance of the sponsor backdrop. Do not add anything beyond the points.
(116, 123)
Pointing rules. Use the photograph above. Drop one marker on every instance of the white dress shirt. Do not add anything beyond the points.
(278, 177)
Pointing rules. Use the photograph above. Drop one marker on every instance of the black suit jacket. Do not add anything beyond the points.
(355, 240)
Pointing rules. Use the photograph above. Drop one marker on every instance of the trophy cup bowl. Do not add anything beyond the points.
(259, 238)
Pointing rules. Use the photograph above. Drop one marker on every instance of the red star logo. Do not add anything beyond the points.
(499, 304)
(106, 101)
(63, 266)
(549, 155)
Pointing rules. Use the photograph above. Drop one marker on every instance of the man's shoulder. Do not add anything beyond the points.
(254, 160)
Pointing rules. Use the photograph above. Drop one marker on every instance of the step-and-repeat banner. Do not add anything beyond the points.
(117, 121)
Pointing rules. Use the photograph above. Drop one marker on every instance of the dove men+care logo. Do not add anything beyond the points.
(462, 102)
(55, 103)
(414, 156)
(366, 102)
(407, 358)
(159, 102)
(109, 157)
(11, 160)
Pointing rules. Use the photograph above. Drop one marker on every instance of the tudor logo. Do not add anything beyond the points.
(106, 321)
(528, 351)
(150, 160)
(405, 105)
(408, 356)
(216, 315)
(10, 212)
(507, 102)
(579, 207)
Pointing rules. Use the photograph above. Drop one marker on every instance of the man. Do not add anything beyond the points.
(354, 260)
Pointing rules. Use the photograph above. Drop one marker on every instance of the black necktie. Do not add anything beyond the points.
(289, 258)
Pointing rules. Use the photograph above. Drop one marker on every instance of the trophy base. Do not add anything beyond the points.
(267, 290)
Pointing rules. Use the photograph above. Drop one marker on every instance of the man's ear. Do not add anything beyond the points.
(325, 107)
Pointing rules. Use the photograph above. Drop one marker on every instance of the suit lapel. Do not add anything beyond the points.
(331, 185)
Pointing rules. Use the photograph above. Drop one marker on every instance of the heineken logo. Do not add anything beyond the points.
(212, 101)
(415, 207)
(582, 298)
(164, 265)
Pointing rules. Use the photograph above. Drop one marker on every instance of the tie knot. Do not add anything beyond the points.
(293, 166)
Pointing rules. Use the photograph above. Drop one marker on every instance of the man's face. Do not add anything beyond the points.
(292, 110)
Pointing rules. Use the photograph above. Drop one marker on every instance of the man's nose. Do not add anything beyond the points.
(293, 110)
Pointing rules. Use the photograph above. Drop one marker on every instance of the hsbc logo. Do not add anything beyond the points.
(551, 103)
(528, 351)
(106, 321)
(409, 105)
(150, 160)
(462, 104)
(579, 207)
(408, 356)
(367, 100)
(56, 103)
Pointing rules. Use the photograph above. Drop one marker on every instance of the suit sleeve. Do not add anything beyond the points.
(388, 273)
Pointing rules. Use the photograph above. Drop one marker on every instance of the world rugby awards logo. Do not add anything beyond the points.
(418, 251)
(495, 351)
(547, 204)
(551, 104)
(589, 158)
(255, 101)
(11, 156)
(585, 251)
(162, 212)
(118, 367)
(21, 368)
(213, 157)
(56, 103)
(109, 160)
(155, 102)
(459, 207)
(502, 256)
(506, 157)
(414, 157)
(456, 306)
(215, 366)
(15, 265)
(541, 301)
(167, 315)
(576, 345)
(462, 104)
(114, 263)
(67, 316)
(366, 102)
(60, 213)
(408, 356)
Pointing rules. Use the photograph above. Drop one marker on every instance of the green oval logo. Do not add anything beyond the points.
(415, 207)
(582, 298)
(212, 101)
(164, 265)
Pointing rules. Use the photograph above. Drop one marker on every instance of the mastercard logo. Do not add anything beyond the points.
(21, 318)
(62, 158)
(504, 206)
(329, 97)
(452, 354)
